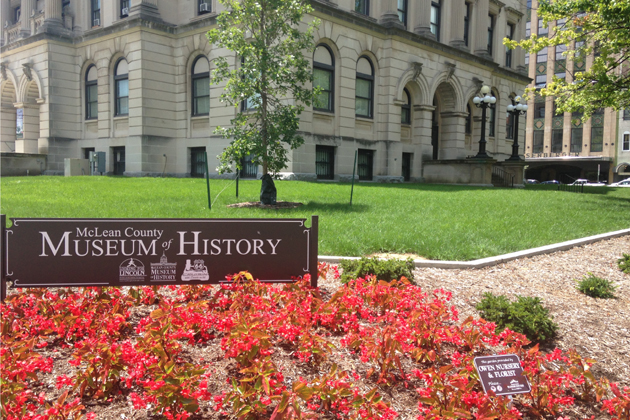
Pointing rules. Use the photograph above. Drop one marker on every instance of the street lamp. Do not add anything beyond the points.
(483, 101)
(516, 111)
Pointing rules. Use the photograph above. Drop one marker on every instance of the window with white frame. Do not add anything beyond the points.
(121, 88)
(435, 18)
(200, 86)
(91, 93)
(324, 78)
(626, 142)
(364, 95)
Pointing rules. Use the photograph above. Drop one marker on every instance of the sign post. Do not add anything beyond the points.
(132, 252)
(502, 374)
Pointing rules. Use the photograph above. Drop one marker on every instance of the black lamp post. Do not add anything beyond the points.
(516, 111)
(483, 101)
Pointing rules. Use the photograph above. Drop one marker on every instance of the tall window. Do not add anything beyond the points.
(124, 8)
(556, 141)
(626, 142)
(121, 82)
(362, 6)
(626, 114)
(597, 139)
(435, 19)
(468, 128)
(576, 140)
(539, 140)
(466, 22)
(402, 11)
(91, 93)
(490, 33)
(324, 77)
(539, 110)
(365, 164)
(541, 57)
(250, 169)
(325, 162)
(509, 123)
(364, 88)
(204, 6)
(542, 29)
(17, 12)
(96, 13)
(492, 121)
(508, 52)
(201, 86)
(406, 166)
(405, 112)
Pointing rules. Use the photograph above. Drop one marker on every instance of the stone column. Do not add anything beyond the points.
(422, 128)
(52, 17)
(453, 144)
(480, 30)
(145, 9)
(518, 54)
(458, 7)
(423, 18)
(389, 14)
(6, 13)
(500, 32)
(27, 7)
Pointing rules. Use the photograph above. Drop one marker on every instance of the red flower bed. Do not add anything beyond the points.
(141, 346)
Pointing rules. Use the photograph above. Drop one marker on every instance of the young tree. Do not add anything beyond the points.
(597, 27)
(270, 82)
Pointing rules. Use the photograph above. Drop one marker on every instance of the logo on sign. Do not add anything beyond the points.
(164, 270)
(195, 271)
(131, 270)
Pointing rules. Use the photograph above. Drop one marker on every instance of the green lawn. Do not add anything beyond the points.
(435, 221)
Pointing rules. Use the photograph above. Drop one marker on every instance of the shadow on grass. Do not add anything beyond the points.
(416, 186)
(335, 207)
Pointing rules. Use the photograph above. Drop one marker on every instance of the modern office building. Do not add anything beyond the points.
(130, 78)
(560, 146)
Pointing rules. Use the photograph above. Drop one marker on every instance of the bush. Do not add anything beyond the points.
(383, 269)
(526, 316)
(596, 287)
(624, 263)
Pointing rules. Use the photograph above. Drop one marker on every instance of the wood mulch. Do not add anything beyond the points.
(258, 204)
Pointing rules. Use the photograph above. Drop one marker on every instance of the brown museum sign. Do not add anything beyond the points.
(126, 252)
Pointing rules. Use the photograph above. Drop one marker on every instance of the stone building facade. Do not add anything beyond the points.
(562, 147)
(129, 78)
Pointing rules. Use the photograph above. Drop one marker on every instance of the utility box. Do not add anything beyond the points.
(76, 167)
(97, 163)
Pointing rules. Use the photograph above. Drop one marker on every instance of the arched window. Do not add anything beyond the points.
(201, 86)
(492, 117)
(121, 82)
(91, 93)
(324, 77)
(405, 112)
(364, 95)
(468, 129)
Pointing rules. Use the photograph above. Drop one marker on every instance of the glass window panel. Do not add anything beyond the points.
(202, 105)
(202, 87)
(576, 140)
(321, 78)
(322, 101)
(362, 107)
(626, 142)
(322, 55)
(201, 66)
(364, 88)
(123, 87)
(123, 106)
(364, 66)
(597, 139)
(556, 141)
(92, 74)
(122, 68)
(539, 139)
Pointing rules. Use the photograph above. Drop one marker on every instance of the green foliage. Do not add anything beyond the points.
(271, 76)
(596, 287)
(594, 22)
(624, 263)
(383, 269)
(526, 316)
